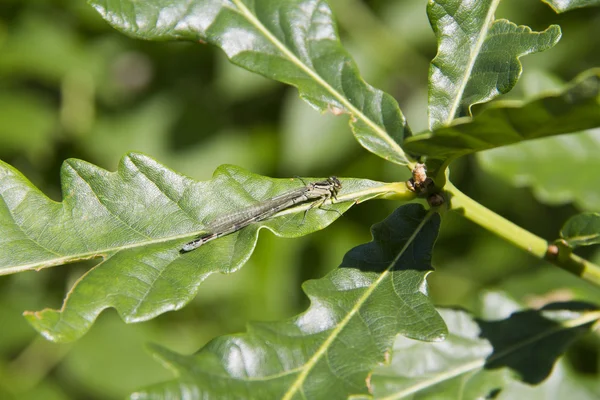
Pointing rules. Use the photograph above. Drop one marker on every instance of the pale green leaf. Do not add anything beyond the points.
(565, 382)
(547, 165)
(136, 220)
(480, 358)
(574, 109)
(582, 230)
(378, 291)
(561, 6)
(559, 170)
(478, 56)
(292, 41)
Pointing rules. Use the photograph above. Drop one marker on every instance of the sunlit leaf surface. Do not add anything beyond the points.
(480, 358)
(561, 6)
(478, 56)
(575, 109)
(582, 230)
(292, 41)
(136, 220)
(378, 291)
(558, 169)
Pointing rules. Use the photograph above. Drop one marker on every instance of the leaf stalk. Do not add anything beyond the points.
(522, 238)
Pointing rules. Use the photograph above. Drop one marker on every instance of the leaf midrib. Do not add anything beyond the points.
(107, 252)
(297, 384)
(489, 19)
(311, 73)
(480, 363)
(580, 238)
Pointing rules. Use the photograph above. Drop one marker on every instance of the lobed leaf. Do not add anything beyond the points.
(574, 109)
(292, 41)
(561, 6)
(136, 220)
(480, 358)
(582, 230)
(478, 56)
(558, 169)
(378, 291)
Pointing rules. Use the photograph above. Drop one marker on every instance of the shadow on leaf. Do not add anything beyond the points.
(529, 342)
(391, 236)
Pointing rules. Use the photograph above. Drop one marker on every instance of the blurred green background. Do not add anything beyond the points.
(70, 86)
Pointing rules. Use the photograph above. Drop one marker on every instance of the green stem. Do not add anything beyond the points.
(470, 209)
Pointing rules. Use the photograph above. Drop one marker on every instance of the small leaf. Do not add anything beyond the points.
(293, 41)
(558, 169)
(561, 6)
(137, 219)
(575, 109)
(480, 358)
(478, 56)
(582, 230)
(326, 352)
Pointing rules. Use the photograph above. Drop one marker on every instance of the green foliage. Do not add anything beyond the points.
(567, 5)
(534, 163)
(70, 86)
(582, 230)
(378, 291)
(482, 356)
(137, 219)
(294, 42)
(575, 108)
(478, 56)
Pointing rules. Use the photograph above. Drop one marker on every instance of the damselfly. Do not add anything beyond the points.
(318, 192)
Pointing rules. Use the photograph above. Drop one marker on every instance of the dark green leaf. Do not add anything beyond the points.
(480, 358)
(293, 41)
(561, 6)
(575, 109)
(326, 353)
(582, 230)
(478, 56)
(137, 219)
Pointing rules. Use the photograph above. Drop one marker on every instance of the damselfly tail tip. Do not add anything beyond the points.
(187, 248)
